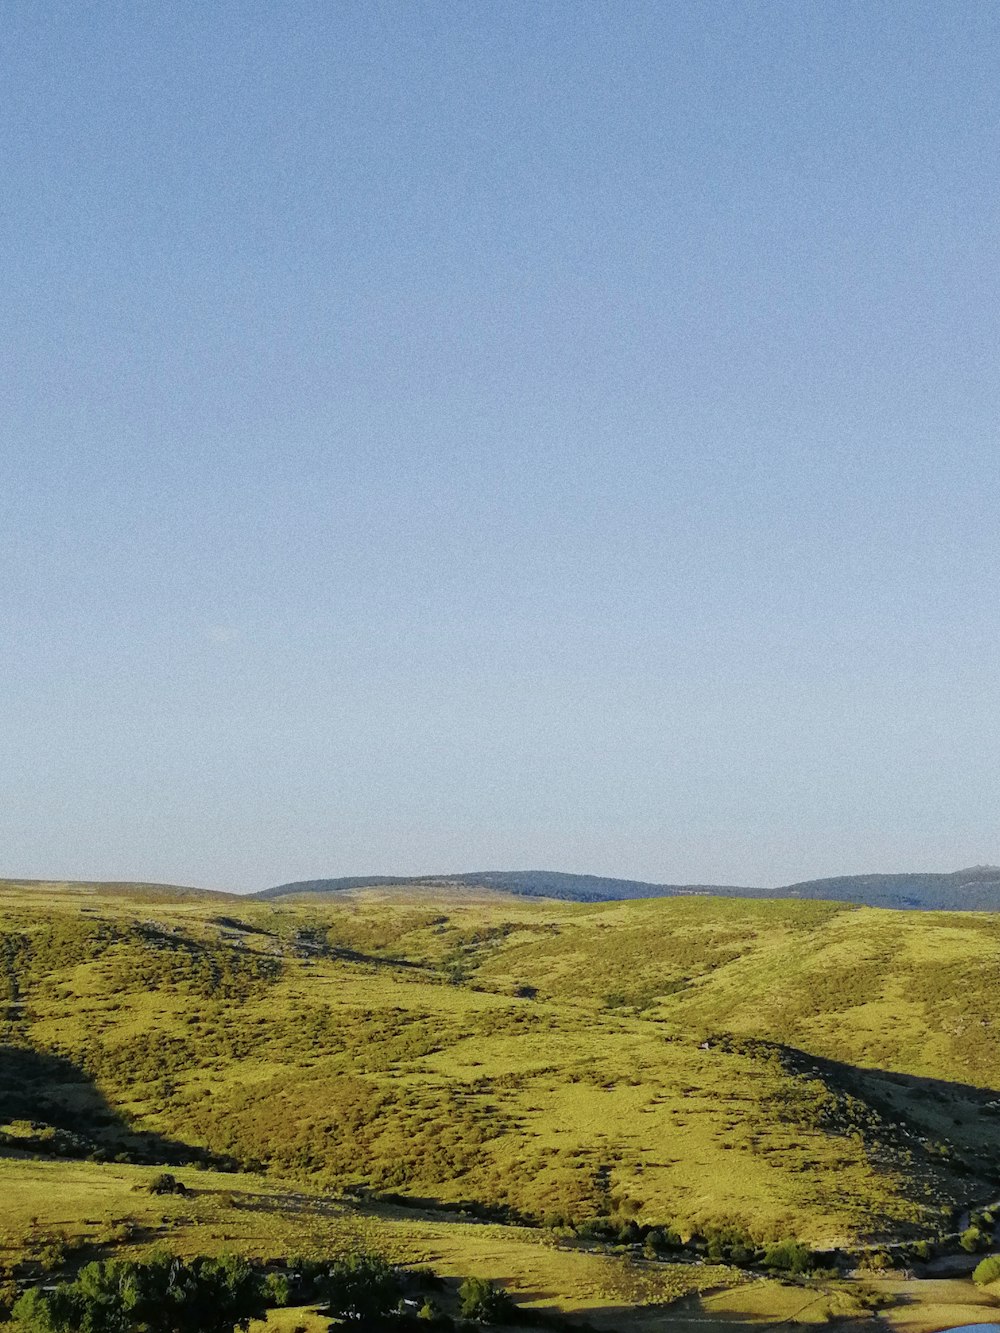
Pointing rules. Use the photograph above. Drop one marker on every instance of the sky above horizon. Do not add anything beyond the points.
(441, 437)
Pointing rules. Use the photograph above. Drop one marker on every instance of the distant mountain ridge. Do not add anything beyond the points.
(976, 889)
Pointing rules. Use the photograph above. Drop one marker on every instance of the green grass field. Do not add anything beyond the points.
(796, 1069)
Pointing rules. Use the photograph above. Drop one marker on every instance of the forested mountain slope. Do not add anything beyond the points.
(976, 889)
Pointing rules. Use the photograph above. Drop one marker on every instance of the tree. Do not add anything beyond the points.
(207, 1295)
(361, 1287)
(483, 1301)
(101, 1300)
(277, 1290)
(788, 1256)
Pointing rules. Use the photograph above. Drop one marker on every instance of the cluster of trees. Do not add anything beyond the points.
(616, 1230)
(364, 1288)
(357, 1287)
(731, 1243)
(724, 1242)
(162, 1295)
(165, 1294)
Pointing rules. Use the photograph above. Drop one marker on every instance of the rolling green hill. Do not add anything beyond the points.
(135, 890)
(794, 1067)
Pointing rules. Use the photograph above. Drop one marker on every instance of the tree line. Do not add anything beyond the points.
(166, 1294)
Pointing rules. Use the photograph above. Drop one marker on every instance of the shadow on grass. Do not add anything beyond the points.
(947, 1131)
(954, 1125)
(805, 1307)
(66, 1115)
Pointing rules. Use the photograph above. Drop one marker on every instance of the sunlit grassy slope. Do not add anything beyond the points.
(98, 1209)
(803, 1068)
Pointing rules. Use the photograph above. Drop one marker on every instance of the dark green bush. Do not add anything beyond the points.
(788, 1256)
(485, 1302)
(165, 1183)
(729, 1243)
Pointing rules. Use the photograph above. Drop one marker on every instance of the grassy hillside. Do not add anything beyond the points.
(796, 1067)
(135, 890)
(76, 1210)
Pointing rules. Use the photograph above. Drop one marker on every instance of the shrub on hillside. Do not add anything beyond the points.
(974, 1238)
(660, 1239)
(856, 1302)
(987, 1271)
(878, 1261)
(277, 1290)
(165, 1183)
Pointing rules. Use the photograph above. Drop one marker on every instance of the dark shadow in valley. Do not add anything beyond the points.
(945, 1092)
(955, 1124)
(949, 1129)
(372, 959)
(62, 1113)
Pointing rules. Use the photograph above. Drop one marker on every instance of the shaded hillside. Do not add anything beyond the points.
(528, 883)
(976, 889)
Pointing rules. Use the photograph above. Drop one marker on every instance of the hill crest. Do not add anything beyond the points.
(975, 888)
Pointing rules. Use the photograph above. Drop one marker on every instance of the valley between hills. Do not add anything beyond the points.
(644, 1113)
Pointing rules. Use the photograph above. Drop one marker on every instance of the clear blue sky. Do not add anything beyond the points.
(448, 436)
